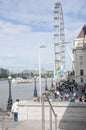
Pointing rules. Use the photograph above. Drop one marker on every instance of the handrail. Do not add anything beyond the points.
(51, 110)
(50, 105)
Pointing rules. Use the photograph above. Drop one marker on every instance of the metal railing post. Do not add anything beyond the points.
(51, 110)
(56, 122)
(43, 114)
(50, 118)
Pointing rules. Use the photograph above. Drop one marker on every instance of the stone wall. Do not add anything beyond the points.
(65, 111)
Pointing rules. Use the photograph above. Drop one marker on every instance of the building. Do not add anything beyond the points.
(79, 52)
(2, 70)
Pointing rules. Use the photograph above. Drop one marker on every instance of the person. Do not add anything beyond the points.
(14, 109)
(55, 94)
(80, 99)
(85, 92)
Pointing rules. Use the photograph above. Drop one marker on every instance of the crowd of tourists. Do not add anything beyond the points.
(69, 91)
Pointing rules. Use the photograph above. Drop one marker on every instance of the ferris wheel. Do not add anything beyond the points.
(59, 44)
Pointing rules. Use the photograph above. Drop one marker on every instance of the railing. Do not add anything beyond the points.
(51, 110)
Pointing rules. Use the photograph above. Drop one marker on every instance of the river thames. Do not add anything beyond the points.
(20, 91)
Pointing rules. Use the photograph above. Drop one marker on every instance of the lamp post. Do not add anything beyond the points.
(52, 82)
(35, 90)
(9, 104)
(46, 89)
(40, 91)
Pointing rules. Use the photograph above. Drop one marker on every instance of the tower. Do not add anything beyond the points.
(59, 44)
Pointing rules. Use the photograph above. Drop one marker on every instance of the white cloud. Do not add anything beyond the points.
(18, 45)
(9, 28)
(24, 25)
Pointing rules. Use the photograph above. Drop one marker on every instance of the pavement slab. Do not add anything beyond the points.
(37, 125)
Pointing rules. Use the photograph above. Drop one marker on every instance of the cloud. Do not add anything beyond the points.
(9, 56)
(20, 45)
(9, 28)
(27, 13)
(25, 25)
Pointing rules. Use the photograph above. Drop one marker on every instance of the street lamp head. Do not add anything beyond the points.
(34, 77)
(9, 78)
(43, 46)
(45, 76)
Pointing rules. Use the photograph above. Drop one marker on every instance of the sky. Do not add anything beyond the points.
(25, 25)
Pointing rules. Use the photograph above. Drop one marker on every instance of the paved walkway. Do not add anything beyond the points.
(36, 125)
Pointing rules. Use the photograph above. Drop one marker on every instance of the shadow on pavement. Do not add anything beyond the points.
(74, 117)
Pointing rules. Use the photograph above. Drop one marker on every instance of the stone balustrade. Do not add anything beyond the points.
(29, 110)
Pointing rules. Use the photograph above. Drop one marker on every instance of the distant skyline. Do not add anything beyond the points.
(27, 24)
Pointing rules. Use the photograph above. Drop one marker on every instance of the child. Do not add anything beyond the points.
(14, 110)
